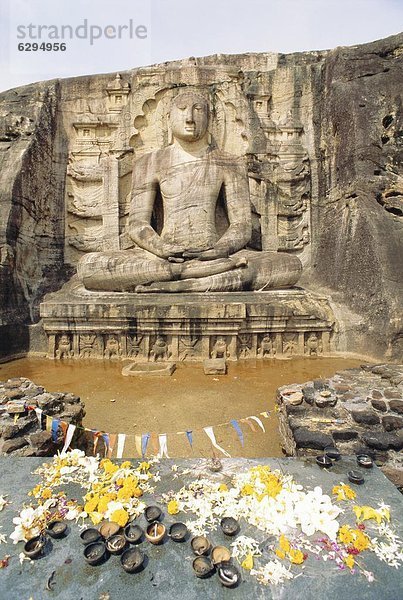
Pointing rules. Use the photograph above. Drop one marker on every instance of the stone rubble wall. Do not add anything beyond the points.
(24, 436)
(360, 411)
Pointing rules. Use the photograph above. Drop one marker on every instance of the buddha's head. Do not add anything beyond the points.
(189, 117)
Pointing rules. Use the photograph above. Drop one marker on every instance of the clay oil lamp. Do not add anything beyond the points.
(133, 533)
(178, 532)
(332, 452)
(200, 545)
(107, 529)
(220, 554)
(355, 477)
(90, 536)
(203, 567)
(229, 525)
(152, 513)
(95, 553)
(132, 560)
(228, 574)
(324, 461)
(34, 548)
(56, 529)
(155, 532)
(363, 460)
(116, 544)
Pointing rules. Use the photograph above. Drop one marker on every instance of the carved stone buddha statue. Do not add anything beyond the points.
(188, 254)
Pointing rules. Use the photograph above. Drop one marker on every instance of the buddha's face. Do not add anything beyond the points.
(189, 117)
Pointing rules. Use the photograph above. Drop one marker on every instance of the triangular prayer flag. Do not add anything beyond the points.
(112, 442)
(137, 441)
(144, 441)
(259, 422)
(209, 431)
(54, 429)
(189, 435)
(154, 442)
(69, 436)
(121, 445)
(238, 429)
(163, 443)
(39, 412)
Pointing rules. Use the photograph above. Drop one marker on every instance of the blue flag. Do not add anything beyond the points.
(144, 441)
(189, 437)
(55, 427)
(238, 429)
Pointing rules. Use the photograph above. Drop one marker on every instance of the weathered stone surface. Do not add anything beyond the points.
(10, 446)
(383, 441)
(309, 394)
(340, 123)
(344, 434)
(368, 417)
(379, 405)
(392, 393)
(306, 438)
(396, 406)
(214, 366)
(391, 422)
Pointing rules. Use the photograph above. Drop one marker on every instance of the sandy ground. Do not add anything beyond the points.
(188, 400)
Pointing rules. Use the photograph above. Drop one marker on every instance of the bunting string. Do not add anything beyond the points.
(158, 443)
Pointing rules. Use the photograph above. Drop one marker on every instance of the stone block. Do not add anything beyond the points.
(344, 434)
(383, 441)
(307, 438)
(390, 422)
(366, 417)
(14, 444)
(396, 406)
(392, 393)
(214, 366)
(149, 369)
(379, 404)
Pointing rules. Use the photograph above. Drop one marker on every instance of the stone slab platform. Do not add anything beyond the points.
(170, 327)
(168, 573)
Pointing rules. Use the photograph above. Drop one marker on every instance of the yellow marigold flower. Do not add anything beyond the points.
(103, 504)
(223, 488)
(284, 543)
(344, 492)
(96, 517)
(248, 562)
(137, 492)
(362, 541)
(46, 494)
(273, 486)
(345, 535)
(173, 507)
(365, 513)
(36, 491)
(247, 490)
(120, 517)
(296, 556)
(280, 554)
(124, 495)
(126, 465)
(91, 505)
(349, 561)
(144, 466)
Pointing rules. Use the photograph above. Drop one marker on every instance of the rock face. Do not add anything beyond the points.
(20, 431)
(354, 422)
(320, 134)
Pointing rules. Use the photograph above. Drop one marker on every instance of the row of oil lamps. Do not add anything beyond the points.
(332, 454)
(109, 539)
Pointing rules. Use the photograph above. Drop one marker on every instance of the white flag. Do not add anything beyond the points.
(121, 445)
(209, 431)
(162, 438)
(69, 436)
(259, 422)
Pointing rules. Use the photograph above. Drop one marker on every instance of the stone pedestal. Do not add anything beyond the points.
(186, 327)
